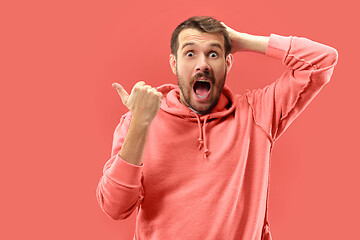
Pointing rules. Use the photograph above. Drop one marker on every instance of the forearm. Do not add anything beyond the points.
(253, 43)
(134, 143)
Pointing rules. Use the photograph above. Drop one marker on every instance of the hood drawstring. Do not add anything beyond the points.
(202, 140)
(172, 105)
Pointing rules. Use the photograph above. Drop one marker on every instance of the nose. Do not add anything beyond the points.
(202, 64)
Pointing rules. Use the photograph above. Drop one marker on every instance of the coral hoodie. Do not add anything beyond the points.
(207, 177)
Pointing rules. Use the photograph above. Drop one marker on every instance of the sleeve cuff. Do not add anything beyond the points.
(125, 173)
(278, 46)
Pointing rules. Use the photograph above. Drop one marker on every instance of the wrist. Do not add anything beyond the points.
(243, 41)
(140, 121)
(253, 43)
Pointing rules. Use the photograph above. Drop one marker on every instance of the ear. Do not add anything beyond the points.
(229, 62)
(172, 61)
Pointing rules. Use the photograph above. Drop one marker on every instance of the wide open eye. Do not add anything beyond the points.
(213, 54)
(189, 54)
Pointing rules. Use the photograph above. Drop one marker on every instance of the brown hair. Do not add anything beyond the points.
(204, 24)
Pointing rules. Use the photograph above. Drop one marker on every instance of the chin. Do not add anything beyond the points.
(204, 108)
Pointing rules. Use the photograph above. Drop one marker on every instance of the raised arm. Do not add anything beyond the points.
(120, 190)
(143, 103)
(309, 66)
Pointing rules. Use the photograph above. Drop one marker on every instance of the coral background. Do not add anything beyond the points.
(58, 60)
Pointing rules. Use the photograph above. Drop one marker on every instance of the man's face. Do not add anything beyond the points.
(201, 68)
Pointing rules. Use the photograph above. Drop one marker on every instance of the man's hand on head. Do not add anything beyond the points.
(234, 37)
(246, 42)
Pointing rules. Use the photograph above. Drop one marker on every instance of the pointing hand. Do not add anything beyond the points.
(143, 102)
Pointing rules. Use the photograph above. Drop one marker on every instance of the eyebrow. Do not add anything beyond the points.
(192, 43)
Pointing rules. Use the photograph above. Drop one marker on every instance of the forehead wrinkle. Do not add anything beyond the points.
(193, 36)
(214, 44)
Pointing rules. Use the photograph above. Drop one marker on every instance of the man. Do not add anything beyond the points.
(195, 158)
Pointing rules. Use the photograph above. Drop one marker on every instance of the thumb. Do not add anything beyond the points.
(122, 92)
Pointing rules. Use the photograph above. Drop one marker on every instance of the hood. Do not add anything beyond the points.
(172, 105)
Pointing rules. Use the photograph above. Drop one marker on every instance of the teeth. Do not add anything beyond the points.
(204, 81)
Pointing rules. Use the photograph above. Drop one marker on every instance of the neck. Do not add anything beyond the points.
(195, 111)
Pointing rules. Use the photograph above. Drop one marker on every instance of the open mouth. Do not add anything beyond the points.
(201, 88)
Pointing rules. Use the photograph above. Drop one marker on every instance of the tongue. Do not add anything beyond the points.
(201, 88)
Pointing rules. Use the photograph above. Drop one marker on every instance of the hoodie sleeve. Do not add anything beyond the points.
(120, 189)
(309, 67)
